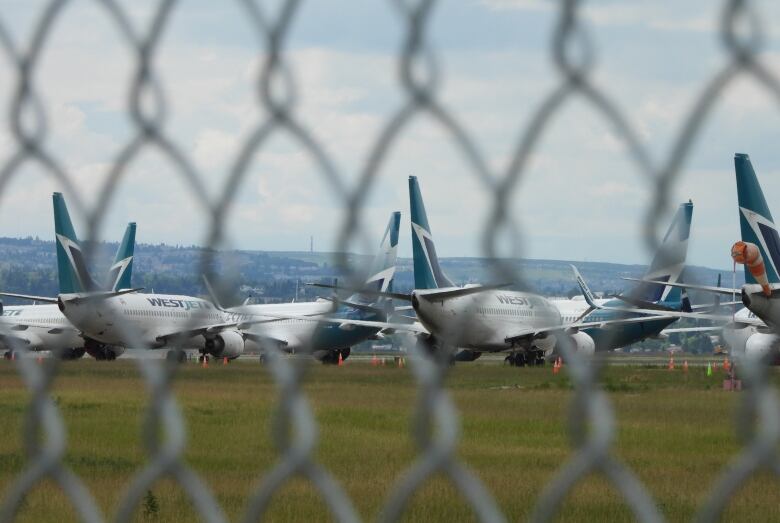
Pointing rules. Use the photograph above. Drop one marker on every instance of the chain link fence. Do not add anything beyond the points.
(592, 422)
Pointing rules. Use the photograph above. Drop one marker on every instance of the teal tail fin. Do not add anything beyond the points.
(755, 220)
(383, 269)
(427, 271)
(669, 261)
(121, 272)
(71, 266)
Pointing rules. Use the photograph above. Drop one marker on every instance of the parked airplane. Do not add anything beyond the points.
(667, 266)
(128, 318)
(44, 327)
(326, 341)
(753, 332)
(478, 318)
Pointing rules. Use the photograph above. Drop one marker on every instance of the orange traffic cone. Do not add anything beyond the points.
(726, 364)
(685, 366)
(205, 361)
(555, 366)
(39, 360)
(715, 366)
(224, 360)
(671, 362)
(374, 361)
(341, 360)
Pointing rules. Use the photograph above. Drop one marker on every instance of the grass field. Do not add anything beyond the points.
(676, 432)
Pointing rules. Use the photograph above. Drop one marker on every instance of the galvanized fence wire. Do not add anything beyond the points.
(592, 423)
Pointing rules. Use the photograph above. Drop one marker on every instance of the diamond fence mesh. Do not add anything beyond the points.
(592, 422)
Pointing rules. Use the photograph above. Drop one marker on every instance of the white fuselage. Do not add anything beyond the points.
(138, 320)
(766, 308)
(39, 327)
(295, 333)
(483, 321)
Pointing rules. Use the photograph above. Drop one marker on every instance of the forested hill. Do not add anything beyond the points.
(28, 265)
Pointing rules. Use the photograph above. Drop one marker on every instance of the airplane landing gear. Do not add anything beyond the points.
(516, 359)
(9, 355)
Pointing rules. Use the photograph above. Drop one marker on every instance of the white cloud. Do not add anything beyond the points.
(528, 5)
(580, 193)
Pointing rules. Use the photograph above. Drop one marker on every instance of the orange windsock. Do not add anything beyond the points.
(749, 255)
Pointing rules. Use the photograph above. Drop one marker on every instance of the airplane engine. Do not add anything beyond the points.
(227, 344)
(545, 343)
(737, 339)
(583, 344)
(762, 346)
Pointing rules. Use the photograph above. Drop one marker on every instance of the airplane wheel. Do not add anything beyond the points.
(520, 360)
(9, 354)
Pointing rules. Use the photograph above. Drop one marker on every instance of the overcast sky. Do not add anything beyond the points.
(581, 198)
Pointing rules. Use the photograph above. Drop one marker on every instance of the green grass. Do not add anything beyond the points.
(675, 431)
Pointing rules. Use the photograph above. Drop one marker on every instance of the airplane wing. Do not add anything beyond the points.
(733, 324)
(417, 328)
(694, 329)
(189, 333)
(672, 313)
(707, 288)
(705, 306)
(568, 327)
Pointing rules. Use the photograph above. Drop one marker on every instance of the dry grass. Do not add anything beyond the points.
(676, 432)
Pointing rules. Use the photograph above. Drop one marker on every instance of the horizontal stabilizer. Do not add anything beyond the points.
(446, 294)
(393, 295)
(86, 297)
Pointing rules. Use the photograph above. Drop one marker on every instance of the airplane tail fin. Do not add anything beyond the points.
(383, 269)
(755, 221)
(669, 261)
(584, 289)
(427, 271)
(71, 265)
(121, 271)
